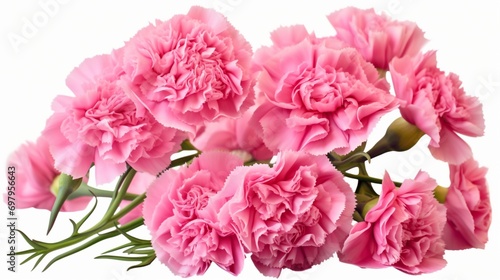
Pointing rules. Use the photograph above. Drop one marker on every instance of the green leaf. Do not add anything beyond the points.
(36, 254)
(140, 251)
(145, 262)
(76, 227)
(118, 248)
(129, 237)
(38, 261)
(32, 243)
(121, 258)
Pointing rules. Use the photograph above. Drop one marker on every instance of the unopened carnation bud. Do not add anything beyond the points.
(62, 186)
(400, 136)
(66, 182)
(368, 206)
(440, 194)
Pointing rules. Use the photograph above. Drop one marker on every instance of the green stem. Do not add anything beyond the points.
(86, 190)
(95, 229)
(364, 187)
(129, 226)
(367, 178)
(113, 219)
(134, 203)
(182, 160)
(109, 220)
(350, 162)
(120, 191)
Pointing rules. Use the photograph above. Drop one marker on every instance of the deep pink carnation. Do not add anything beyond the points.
(99, 125)
(437, 104)
(189, 69)
(236, 135)
(293, 215)
(321, 96)
(34, 175)
(404, 229)
(378, 38)
(468, 207)
(186, 235)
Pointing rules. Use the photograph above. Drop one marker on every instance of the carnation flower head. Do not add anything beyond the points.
(404, 229)
(437, 104)
(293, 215)
(319, 94)
(182, 220)
(190, 69)
(34, 175)
(99, 125)
(378, 38)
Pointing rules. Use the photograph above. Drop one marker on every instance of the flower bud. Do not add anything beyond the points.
(440, 194)
(62, 186)
(369, 205)
(67, 182)
(400, 136)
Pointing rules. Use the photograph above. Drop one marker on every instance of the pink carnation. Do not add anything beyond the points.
(378, 38)
(404, 229)
(468, 207)
(34, 175)
(437, 104)
(100, 125)
(293, 215)
(186, 235)
(321, 96)
(189, 69)
(138, 186)
(234, 135)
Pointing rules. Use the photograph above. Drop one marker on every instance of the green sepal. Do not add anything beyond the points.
(63, 186)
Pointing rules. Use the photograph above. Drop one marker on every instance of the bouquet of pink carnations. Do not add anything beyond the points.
(223, 153)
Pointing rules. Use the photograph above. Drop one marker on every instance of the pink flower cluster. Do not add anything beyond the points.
(293, 215)
(294, 106)
(134, 106)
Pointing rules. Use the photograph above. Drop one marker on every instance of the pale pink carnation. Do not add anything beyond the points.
(189, 69)
(293, 215)
(138, 186)
(321, 96)
(468, 207)
(437, 104)
(34, 175)
(185, 232)
(99, 125)
(377, 37)
(404, 229)
(235, 135)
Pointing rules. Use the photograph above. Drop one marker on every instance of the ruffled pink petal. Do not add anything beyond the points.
(452, 148)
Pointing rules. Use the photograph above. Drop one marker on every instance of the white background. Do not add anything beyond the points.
(33, 72)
